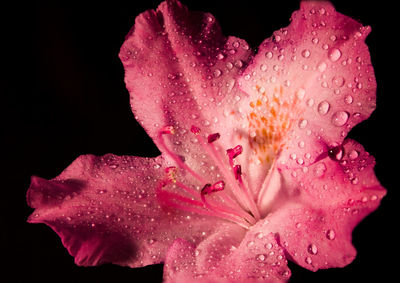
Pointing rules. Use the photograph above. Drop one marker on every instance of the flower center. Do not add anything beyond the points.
(228, 198)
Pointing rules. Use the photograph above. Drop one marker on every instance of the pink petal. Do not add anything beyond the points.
(180, 71)
(327, 201)
(227, 256)
(105, 209)
(310, 84)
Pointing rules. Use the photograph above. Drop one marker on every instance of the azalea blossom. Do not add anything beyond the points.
(255, 168)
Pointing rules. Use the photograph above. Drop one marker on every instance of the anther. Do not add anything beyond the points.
(237, 171)
(208, 188)
(171, 173)
(195, 130)
(213, 137)
(169, 130)
(234, 152)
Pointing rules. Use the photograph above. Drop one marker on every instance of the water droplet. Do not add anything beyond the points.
(340, 118)
(305, 53)
(353, 154)
(335, 54)
(250, 244)
(308, 260)
(354, 181)
(302, 123)
(336, 153)
(338, 81)
(268, 246)
(220, 56)
(320, 169)
(229, 65)
(236, 44)
(322, 67)
(238, 63)
(261, 257)
(310, 102)
(312, 249)
(348, 99)
(323, 107)
(217, 73)
(330, 234)
(268, 55)
(301, 93)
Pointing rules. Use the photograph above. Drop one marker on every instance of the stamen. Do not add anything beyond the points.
(226, 211)
(195, 206)
(212, 151)
(171, 174)
(208, 188)
(238, 172)
(234, 152)
(175, 157)
(213, 137)
(168, 130)
(195, 130)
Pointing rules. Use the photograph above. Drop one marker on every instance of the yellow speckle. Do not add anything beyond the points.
(271, 128)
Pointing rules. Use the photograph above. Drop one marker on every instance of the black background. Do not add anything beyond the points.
(63, 95)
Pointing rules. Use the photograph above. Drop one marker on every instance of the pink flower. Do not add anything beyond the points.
(255, 168)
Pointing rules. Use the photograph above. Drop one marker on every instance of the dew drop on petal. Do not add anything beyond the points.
(338, 81)
(303, 123)
(217, 73)
(305, 53)
(301, 93)
(348, 99)
(323, 107)
(220, 56)
(330, 234)
(261, 257)
(340, 118)
(353, 154)
(320, 169)
(312, 249)
(322, 67)
(335, 54)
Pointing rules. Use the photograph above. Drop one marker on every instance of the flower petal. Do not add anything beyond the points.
(227, 256)
(310, 84)
(105, 209)
(327, 201)
(181, 71)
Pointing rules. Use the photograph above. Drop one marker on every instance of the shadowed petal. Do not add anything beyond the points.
(105, 209)
(227, 256)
